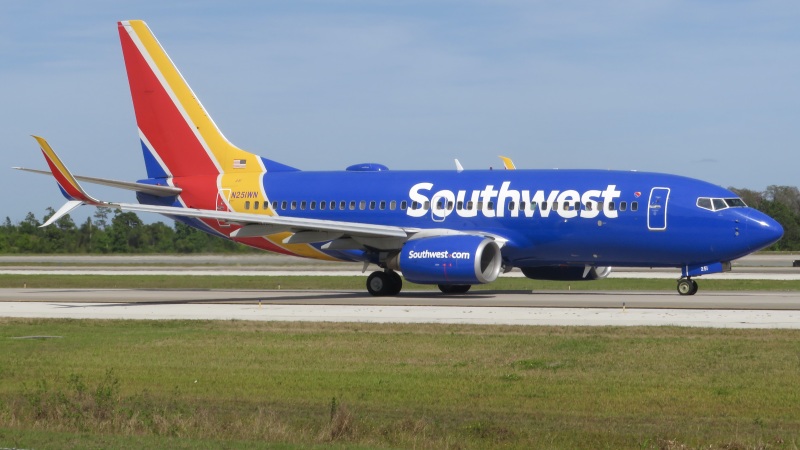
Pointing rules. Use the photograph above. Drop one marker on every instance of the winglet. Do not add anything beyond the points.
(68, 184)
(63, 211)
(507, 163)
(459, 167)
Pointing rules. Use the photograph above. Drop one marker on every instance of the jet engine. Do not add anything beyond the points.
(449, 260)
(566, 273)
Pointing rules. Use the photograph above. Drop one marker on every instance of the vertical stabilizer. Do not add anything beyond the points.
(178, 136)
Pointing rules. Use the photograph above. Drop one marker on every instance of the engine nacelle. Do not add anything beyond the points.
(455, 259)
(566, 273)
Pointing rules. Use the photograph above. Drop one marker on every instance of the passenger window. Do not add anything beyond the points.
(589, 206)
(635, 206)
(470, 205)
(611, 206)
(623, 206)
(459, 205)
(427, 206)
(342, 205)
(511, 206)
(491, 206)
(255, 205)
(449, 206)
(283, 205)
(275, 206)
(393, 205)
(403, 205)
(247, 204)
(372, 204)
(303, 205)
(352, 205)
(544, 206)
(313, 205)
(322, 205)
(294, 205)
(362, 205)
(383, 205)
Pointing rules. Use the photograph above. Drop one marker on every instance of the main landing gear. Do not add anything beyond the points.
(388, 283)
(454, 288)
(687, 286)
(384, 284)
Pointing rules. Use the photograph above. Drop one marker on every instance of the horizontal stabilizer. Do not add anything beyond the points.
(158, 191)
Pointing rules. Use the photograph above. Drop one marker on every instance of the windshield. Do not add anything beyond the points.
(718, 204)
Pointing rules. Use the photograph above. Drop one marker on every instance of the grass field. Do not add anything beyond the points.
(357, 283)
(235, 384)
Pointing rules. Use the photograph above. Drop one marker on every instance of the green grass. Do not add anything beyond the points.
(113, 384)
(357, 283)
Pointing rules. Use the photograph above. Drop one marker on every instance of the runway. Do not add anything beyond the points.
(711, 309)
(753, 267)
(706, 309)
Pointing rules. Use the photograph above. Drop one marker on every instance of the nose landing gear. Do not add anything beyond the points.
(687, 286)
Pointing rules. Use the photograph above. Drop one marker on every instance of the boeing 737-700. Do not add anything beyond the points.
(453, 228)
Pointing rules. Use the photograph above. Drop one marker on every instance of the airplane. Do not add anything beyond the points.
(453, 228)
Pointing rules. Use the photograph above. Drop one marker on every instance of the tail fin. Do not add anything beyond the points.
(178, 136)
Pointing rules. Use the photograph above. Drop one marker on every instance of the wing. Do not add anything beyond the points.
(342, 235)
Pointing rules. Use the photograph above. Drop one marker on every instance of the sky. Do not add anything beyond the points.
(705, 89)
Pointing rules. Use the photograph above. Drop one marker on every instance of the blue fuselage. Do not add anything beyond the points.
(547, 216)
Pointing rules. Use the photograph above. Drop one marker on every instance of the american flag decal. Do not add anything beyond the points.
(239, 163)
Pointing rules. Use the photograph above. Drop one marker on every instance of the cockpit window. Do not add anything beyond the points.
(735, 203)
(705, 203)
(718, 204)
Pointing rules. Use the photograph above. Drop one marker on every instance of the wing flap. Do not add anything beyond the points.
(294, 224)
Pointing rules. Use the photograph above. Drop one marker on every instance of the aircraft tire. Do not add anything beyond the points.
(687, 286)
(383, 284)
(454, 288)
(397, 282)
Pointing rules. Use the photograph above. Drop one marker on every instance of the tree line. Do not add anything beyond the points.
(109, 231)
(112, 231)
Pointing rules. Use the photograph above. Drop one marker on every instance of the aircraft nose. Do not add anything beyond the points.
(762, 230)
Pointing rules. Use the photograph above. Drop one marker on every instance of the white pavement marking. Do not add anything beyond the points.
(231, 271)
(410, 314)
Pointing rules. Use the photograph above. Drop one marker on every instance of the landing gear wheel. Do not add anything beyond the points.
(687, 286)
(397, 282)
(382, 284)
(454, 288)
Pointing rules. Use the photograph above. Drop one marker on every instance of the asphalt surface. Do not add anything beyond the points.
(729, 310)
(711, 309)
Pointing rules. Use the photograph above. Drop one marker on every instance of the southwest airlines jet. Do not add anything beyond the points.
(449, 228)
